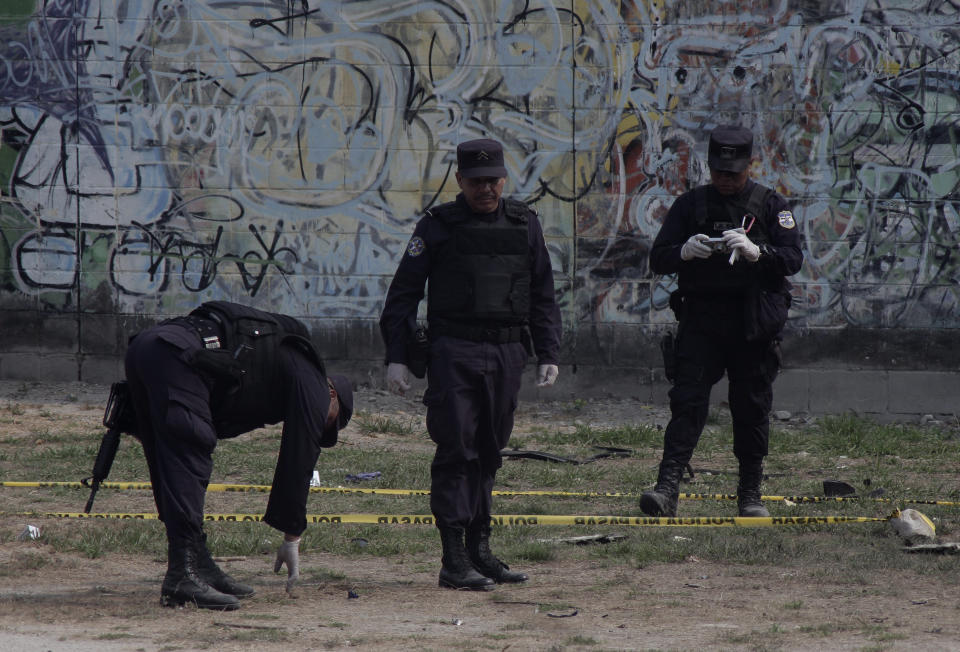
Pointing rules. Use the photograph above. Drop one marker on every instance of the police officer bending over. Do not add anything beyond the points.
(220, 371)
(491, 289)
(732, 244)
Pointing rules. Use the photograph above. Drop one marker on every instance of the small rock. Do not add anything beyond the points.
(782, 415)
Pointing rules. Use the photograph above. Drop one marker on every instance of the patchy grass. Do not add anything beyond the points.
(904, 464)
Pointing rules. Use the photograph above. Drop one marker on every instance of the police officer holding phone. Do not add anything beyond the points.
(731, 243)
(491, 305)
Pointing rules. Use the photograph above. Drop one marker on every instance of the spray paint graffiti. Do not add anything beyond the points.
(181, 150)
(855, 114)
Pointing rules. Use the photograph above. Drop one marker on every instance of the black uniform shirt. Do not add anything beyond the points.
(407, 288)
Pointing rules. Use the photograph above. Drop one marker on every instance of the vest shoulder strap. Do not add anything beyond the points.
(446, 213)
(517, 210)
(757, 200)
(700, 202)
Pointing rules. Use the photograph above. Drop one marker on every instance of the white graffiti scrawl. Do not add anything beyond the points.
(158, 153)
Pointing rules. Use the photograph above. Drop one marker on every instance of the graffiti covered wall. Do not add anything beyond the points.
(158, 153)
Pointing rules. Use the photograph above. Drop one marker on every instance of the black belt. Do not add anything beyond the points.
(207, 329)
(495, 335)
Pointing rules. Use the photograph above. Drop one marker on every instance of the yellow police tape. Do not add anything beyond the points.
(509, 519)
(259, 488)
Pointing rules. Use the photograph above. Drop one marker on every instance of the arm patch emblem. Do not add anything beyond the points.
(416, 246)
(786, 219)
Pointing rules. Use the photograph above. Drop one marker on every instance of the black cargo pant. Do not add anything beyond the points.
(175, 426)
(710, 342)
(471, 399)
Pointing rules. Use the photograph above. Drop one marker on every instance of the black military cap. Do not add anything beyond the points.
(480, 158)
(345, 393)
(731, 147)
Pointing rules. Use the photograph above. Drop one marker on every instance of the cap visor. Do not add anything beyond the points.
(726, 165)
(473, 173)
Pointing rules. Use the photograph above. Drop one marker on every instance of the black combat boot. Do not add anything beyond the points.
(183, 584)
(748, 490)
(457, 571)
(662, 501)
(213, 575)
(478, 548)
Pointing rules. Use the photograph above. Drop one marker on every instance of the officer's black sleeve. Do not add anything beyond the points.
(545, 325)
(405, 293)
(306, 404)
(673, 234)
(783, 256)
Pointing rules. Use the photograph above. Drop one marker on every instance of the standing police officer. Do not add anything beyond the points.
(732, 244)
(491, 289)
(220, 371)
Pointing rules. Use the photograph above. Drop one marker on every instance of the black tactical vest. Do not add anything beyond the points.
(482, 272)
(715, 274)
(254, 337)
(716, 217)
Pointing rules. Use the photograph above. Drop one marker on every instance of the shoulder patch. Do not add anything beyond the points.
(786, 219)
(416, 246)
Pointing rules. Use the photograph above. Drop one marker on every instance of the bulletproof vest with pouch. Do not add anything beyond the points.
(482, 272)
(715, 214)
(254, 337)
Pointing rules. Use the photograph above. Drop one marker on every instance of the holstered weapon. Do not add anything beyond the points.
(668, 348)
(418, 353)
(668, 343)
(527, 341)
(118, 417)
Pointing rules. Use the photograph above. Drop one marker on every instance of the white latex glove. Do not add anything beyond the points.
(737, 240)
(398, 377)
(696, 247)
(289, 553)
(547, 375)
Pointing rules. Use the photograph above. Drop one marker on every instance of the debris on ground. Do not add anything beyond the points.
(586, 539)
(912, 525)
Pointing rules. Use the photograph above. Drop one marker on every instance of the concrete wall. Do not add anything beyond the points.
(156, 154)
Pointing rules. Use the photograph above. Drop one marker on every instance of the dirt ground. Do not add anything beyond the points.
(112, 603)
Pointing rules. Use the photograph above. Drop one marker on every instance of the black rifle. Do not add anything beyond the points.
(118, 417)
